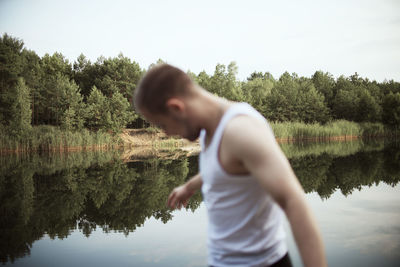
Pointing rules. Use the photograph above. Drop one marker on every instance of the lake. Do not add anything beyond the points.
(93, 209)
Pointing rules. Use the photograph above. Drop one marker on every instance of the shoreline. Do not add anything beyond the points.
(60, 149)
(152, 140)
(284, 140)
(154, 144)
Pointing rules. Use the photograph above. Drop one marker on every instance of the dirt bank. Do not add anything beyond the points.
(144, 138)
(141, 144)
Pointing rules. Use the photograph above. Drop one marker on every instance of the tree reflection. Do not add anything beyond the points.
(57, 194)
(39, 196)
(325, 172)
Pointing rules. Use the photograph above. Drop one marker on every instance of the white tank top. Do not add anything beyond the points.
(245, 225)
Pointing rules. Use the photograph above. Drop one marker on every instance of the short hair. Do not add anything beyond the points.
(158, 85)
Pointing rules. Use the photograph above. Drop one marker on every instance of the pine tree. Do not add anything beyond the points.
(74, 109)
(120, 111)
(97, 105)
(391, 109)
(20, 122)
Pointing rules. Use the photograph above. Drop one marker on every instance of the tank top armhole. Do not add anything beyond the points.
(240, 109)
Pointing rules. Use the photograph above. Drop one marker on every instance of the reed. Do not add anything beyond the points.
(50, 138)
(340, 129)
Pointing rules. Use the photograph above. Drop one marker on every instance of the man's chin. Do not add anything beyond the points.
(193, 137)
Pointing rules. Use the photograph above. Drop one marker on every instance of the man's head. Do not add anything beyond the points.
(163, 98)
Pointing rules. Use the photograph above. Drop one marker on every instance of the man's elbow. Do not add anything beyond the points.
(291, 201)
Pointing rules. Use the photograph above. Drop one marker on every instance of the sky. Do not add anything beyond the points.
(339, 37)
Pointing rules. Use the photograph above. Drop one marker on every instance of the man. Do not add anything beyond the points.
(245, 178)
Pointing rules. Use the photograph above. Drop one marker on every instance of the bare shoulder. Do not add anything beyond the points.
(245, 133)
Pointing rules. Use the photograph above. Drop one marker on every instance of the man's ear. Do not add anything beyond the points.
(175, 105)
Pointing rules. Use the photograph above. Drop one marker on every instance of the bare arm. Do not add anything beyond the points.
(256, 148)
(180, 195)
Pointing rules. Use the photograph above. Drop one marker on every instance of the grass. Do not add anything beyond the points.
(50, 138)
(339, 128)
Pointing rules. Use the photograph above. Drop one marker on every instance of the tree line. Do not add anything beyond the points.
(50, 90)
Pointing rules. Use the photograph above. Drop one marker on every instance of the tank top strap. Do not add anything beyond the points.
(202, 139)
(234, 110)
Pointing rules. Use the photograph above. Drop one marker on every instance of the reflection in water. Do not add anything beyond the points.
(41, 195)
(58, 194)
(344, 166)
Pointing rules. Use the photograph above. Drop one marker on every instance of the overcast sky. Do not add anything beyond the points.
(341, 37)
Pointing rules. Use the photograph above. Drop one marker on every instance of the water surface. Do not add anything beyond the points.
(91, 208)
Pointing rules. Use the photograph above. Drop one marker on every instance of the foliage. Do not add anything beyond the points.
(257, 89)
(97, 95)
(325, 84)
(11, 66)
(391, 109)
(296, 99)
(108, 113)
(224, 82)
(20, 121)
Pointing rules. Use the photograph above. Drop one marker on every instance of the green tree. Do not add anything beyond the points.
(224, 82)
(120, 73)
(84, 74)
(296, 99)
(256, 91)
(32, 73)
(391, 109)
(56, 75)
(56, 64)
(60, 94)
(346, 101)
(105, 113)
(325, 84)
(345, 105)
(280, 103)
(368, 108)
(20, 122)
(260, 75)
(204, 80)
(312, 107)
(98, 114)
(74, 109)
(121, 112)
(389, 86)
(357, 100)
(11, 66)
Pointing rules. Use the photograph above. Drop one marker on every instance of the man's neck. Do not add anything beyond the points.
(215, 108)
